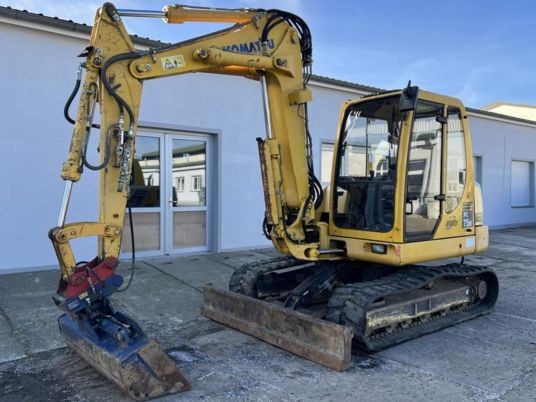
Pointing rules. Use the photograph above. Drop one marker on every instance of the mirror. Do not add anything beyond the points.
(408, 100)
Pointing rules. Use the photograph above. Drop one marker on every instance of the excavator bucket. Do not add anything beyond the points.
(137, 364)
(317, 340)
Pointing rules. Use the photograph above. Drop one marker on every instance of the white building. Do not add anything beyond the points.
(196, 150)
(527, 112)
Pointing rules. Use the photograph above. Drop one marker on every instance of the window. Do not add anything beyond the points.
(456, 163)
(424, 171)
(326, 161)
(477, 160)
(189, 170)
(180, 183)
(196, 183)
(522, 184)
(364, 185)
(145, 189)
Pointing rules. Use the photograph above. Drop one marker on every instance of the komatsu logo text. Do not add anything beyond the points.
(249, 47)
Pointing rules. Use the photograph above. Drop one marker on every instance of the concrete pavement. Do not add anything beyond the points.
(489, 358)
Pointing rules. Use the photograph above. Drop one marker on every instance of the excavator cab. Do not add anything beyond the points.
(403, 181)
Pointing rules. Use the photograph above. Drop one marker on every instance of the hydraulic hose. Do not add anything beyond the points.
(133, 260)
(120, 101)
(71, 98)
(107, 150)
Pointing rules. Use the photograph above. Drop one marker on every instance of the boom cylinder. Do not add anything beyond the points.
(141, 13)
(179, 14)
(266, 106)
(65, 203)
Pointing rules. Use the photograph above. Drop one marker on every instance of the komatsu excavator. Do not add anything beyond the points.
(402, 193)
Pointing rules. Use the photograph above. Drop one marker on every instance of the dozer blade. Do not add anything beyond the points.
(323, 342)
(138, 365)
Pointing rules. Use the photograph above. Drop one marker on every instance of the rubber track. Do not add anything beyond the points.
(244, 278)
(349, 303)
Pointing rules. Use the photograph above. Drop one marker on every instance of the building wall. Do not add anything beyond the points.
(499, 143)
(34, 140)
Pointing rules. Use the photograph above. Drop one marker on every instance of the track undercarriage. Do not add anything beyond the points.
(383, 306)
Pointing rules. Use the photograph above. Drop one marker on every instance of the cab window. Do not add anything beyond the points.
(366, 166)
(456, 160)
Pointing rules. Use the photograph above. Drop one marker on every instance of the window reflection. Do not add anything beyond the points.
(145, 188)
(189, 168)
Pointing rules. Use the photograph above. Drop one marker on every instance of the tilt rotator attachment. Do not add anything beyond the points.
(109, 340)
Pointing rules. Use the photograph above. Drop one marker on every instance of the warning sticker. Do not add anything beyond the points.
(171, 62)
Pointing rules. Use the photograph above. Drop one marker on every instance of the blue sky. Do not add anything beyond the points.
(481, 51)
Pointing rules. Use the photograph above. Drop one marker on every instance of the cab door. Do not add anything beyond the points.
(425, 174)
(439, 200)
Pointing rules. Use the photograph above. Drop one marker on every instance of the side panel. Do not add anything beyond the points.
(415, 252)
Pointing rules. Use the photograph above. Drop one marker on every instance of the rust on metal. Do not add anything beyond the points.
(265, 180)
(317, 340)
(150, 374)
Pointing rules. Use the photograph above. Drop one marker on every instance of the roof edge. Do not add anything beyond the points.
(497, 104)
(67, 25)
(346, 84)
(501, 116)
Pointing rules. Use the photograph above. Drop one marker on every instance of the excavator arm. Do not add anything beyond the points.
(278, 48)
(273, 47)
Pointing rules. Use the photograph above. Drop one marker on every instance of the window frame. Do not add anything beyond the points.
(531, 183)
(422, 236)
(336, 167)
(323, 166)
(181, 182)
(477, 171)
(466, 160)
(194, 178)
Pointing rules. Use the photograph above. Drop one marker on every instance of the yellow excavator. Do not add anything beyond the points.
(402, 193)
